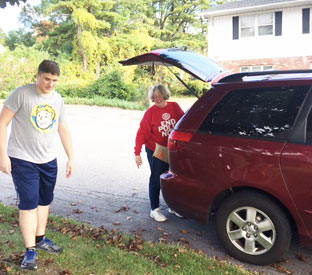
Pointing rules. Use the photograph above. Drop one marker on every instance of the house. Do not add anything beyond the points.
(257, 35)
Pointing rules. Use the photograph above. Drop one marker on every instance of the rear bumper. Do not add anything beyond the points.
(181, 195)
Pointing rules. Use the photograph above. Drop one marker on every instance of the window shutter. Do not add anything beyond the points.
(306, 20)
(235, 27)
(278, 23)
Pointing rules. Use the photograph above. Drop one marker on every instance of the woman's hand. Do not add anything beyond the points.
(138, 161)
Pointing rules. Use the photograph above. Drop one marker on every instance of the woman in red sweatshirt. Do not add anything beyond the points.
(155, 127)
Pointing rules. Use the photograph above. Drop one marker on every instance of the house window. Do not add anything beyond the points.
(305, 20)
(257, 68)
(265, 24)
(248, 26)
(256, 25)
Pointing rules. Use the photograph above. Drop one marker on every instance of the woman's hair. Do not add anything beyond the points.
(164, 91)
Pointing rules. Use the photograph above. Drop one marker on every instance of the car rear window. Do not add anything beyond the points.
(265, 112)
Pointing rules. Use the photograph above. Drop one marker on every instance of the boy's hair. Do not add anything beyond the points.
(163, 90)
(49, 66)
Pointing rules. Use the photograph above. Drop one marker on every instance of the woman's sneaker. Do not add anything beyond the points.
(173, 212)
(157, 216)
(30, 260)
(47, 245)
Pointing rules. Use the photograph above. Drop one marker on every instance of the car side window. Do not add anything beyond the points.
(309, 129)
(261, 112)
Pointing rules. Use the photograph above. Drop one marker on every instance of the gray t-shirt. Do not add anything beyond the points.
(34, 133)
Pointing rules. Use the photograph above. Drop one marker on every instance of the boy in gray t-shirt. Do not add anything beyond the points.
(38, 117)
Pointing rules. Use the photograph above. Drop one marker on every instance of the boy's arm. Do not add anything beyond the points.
(68, 147)
(6, 116)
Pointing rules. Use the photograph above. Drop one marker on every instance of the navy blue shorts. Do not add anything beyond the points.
(34, 183)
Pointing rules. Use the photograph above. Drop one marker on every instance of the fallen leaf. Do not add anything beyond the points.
(282, 268)
(128, 218)
(123, 208)
(160, 229)
(183, 240)
(184, 231)
(73, 204)
(65, 272)
(301, 258)
(48, 261)
(162, 240)
(77, 211)
(116, 223)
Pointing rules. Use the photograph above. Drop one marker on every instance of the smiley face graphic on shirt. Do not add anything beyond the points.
(43, 117)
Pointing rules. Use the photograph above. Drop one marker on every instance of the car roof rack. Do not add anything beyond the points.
(238, 77)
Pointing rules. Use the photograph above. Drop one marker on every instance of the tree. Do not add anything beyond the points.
(11, 2)
(2, 37)
(19, 37)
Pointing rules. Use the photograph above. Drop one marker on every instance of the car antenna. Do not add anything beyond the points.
(192, 90)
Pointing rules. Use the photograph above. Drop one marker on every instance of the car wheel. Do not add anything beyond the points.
(253, 228)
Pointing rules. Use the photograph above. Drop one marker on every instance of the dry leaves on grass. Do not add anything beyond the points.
(65, 272)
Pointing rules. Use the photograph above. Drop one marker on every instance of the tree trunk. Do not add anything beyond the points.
(81, 49)
(98, 69)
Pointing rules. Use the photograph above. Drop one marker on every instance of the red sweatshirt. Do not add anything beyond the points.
(156, 125)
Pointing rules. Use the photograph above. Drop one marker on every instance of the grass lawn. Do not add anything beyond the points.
(89, 250)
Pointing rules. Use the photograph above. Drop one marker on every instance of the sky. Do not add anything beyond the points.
(9, 16)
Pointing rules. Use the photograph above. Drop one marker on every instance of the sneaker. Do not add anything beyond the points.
(47, 245)
(30, 260)
(173, 212)
(157, 216)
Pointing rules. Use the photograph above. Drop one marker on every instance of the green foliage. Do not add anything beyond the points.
(19, 37)
(88, 38)
(2, 37)
(112, 85)
(3, 3)
(19, 67)
(102, 101)
(197, 86)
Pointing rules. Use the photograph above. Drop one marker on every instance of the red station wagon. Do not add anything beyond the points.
(243, 152)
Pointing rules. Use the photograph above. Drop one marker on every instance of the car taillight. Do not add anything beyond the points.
(177, 138)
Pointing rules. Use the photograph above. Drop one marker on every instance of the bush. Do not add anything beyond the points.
(197, 86)
(112, 85)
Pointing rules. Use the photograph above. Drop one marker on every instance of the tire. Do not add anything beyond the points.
(253, 228)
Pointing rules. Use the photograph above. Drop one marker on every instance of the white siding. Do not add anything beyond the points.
(221, 45)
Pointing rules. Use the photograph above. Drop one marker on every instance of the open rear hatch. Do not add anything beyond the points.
(197, 65)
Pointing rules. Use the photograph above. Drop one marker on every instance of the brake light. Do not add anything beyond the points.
(177, 138)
